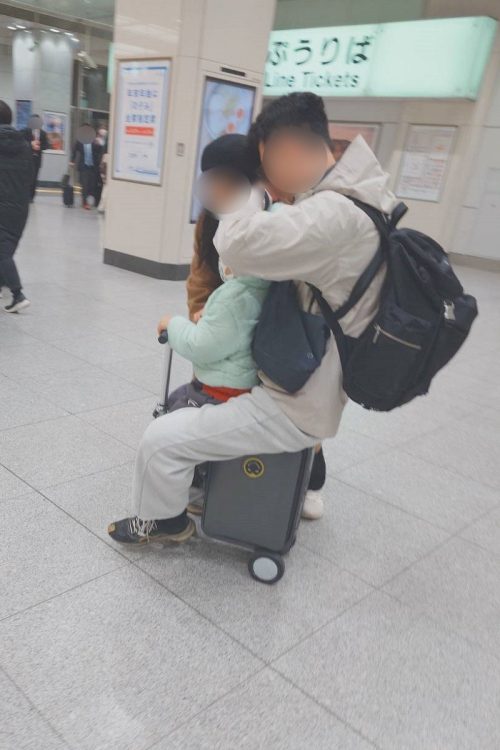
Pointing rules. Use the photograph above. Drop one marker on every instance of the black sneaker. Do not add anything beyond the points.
(136, 531)
(19, 302)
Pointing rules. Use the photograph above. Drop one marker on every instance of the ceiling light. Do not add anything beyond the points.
(18, 26)
(12, 28)
(68, 33)
(74, 39)
(56, 31)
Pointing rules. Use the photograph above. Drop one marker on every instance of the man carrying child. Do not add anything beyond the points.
(322, 239)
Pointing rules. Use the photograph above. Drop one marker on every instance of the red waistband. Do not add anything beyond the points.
(223, 394)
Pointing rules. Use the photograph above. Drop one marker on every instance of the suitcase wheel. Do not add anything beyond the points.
(266, 567)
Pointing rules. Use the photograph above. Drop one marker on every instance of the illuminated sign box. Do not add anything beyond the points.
(441, 58)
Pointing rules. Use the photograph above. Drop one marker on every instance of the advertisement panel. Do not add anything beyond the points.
(140, 120)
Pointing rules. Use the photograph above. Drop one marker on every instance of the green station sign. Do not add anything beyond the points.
(436, 58)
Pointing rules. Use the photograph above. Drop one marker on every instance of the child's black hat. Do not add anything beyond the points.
(230, 152)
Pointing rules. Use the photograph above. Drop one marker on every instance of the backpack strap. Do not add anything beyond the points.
(384, 226)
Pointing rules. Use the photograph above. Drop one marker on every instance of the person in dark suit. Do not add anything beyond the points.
(37, 138)
(16, 174)
(87, 158)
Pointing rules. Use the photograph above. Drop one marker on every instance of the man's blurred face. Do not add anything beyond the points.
(294, 160)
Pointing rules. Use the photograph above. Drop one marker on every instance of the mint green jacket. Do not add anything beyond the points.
(219, 345)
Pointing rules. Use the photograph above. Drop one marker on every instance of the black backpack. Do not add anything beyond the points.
(423, 318)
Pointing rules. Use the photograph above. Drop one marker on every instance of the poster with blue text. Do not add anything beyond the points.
(140, 120)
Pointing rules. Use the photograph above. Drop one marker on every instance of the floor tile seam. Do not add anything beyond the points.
(443, 423)
(201, 614)
(383, 587)
(18, 331)
(131, 382)
(425, 433)
(107, 544)
(74, 413)
(451, 470)
(113, 335)
(206, 708)
(423, 557)
(99, 428)
(105, 432)
(11, 471)
(52, 502)
(340, 568)
(326, 708)
(40, 603)
(121, 403)
(422, 614)
(41, 421)
(83, 476)
(60, 370)
(91, 297)
(321, 627)
(114, 404)
(384, 447)
(469, 525)
(393, 505)
(40, 491)
(76, 369)
(34, 706)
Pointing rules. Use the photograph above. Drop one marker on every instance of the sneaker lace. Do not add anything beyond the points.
(138, 527)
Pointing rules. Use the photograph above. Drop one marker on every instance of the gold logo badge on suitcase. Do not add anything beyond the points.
(253, 467)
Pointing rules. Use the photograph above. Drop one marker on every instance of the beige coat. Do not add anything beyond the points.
(323, 239)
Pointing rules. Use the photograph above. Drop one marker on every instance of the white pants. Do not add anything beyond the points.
(173, 444)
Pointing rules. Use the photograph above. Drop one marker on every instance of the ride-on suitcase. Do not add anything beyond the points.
(253, 501)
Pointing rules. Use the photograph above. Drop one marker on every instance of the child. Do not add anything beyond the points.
(219, 345)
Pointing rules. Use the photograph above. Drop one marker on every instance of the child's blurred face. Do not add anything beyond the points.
(294, 160)
(222, 191)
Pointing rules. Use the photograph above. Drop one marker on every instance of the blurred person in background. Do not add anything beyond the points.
(87, 159)
(39, 142)
(16, 181)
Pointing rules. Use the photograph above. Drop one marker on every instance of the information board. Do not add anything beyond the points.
(140, 119)
(424, 162)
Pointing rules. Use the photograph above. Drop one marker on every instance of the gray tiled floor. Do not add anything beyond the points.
(383, 633)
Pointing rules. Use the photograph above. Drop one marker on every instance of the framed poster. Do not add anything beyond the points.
(139, 128)
(55, 125)
(347, 131)
(23, 113)
(424, 162)
(227, 107)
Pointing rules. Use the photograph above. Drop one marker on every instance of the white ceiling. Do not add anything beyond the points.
(100, 11)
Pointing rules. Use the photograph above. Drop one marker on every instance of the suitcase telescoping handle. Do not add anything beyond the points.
(161, 407)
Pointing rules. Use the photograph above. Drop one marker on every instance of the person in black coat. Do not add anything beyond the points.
(87, 158)
(39, 142)
(16, 176)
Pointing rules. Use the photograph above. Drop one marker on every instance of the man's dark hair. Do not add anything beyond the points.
(5, 113)
(299, 110)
